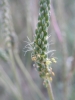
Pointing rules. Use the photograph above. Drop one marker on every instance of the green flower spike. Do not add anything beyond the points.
(40, 51)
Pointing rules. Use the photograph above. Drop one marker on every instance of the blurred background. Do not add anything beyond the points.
(28, 85)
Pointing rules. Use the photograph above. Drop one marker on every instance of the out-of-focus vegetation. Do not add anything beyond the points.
(62, 29)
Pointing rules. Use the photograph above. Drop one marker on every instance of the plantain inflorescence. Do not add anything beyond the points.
(40, 46)
(7, 23)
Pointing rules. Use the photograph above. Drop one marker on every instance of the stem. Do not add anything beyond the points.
(14, 72)
(27, 75)
(8, 83)
(49, 89)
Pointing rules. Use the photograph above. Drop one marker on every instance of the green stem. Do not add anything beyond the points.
(8, 83)
(50, 93)
(49, 89)
(14, 72)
